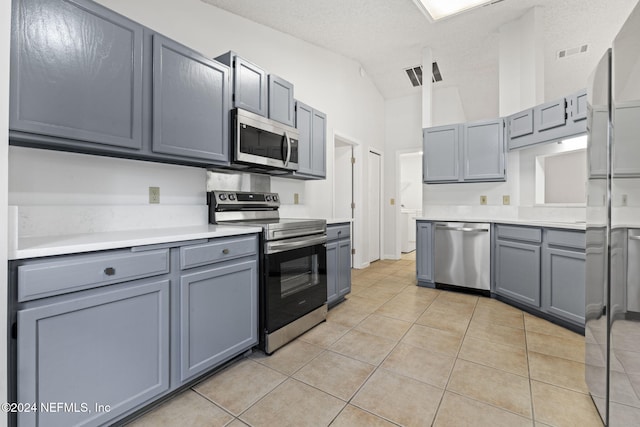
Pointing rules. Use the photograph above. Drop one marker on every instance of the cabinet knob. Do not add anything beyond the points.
(225, 251)
(109, 271)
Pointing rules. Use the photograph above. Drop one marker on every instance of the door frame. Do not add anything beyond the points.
(358, 260)
(397, 252)
(381, 206)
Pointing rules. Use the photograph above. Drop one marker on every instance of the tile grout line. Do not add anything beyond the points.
(526, 347)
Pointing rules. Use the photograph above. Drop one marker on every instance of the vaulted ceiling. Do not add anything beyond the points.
(387, 36)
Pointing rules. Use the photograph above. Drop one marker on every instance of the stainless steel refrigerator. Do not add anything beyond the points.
(612, 304)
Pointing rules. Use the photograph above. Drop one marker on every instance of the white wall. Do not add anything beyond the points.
(327, 81)
(5, 21)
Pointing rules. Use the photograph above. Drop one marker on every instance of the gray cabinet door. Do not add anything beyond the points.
(520, 124)
(483, 148)
(218, 315)
(76, 73)
(424, 251)
(578, 106)
(564, 284)
(440, 153)
(550, 115)
(344, 267)
(190, 110)
(318, 144)
(304, 122)
(281, 103)
(517, 274)
(333, 264)
(249, 87)
(106, 347)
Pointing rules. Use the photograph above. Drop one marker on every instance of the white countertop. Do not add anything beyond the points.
(535, 223)
(33, 247)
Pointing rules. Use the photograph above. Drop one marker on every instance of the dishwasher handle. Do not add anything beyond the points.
(465, 229)
(634, 237)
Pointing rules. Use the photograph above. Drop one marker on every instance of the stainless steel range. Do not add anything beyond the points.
(293, 267)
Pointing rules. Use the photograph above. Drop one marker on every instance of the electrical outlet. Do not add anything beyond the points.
(392, 202)
(154, 195)
(483, 200)
(506, 200)
(624, 200)
(296, 198)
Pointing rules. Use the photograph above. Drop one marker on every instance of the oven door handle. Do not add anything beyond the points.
(290, 244)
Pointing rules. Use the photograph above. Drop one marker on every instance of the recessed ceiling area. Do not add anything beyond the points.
(387, 36)
(440, 9)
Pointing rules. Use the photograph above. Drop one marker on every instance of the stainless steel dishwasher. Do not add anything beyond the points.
(462, 252)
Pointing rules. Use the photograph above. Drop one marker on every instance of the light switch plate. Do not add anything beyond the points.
(506, 200)
(483, 200)
(296, 198)
(392, 202)
(154, 195)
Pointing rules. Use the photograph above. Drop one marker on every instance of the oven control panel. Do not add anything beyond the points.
(230, 200)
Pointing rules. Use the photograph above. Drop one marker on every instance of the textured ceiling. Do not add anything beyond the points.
(386, 36)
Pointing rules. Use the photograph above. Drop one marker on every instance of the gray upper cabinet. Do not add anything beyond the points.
(550, 115)
(520, 124)
(281, 101)
(76, 74)
(190, 103)
(484, 150)
(107, 346)
(440, 158)
(249, 84)
(312, 143)
(464, 153)
(578, 106)
(548, 122)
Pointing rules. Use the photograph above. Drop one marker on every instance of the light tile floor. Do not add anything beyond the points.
(398, 354)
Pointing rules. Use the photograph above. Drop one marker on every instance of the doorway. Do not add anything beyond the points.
(344, 197)
(374, 212)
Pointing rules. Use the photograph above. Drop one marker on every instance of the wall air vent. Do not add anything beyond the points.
(415, 74)
(578, 50)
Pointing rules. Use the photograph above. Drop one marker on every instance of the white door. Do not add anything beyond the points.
(375, 199)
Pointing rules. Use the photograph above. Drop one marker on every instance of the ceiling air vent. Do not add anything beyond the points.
(578, 50)
(415, 74)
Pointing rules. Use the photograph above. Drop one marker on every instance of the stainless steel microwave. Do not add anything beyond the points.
(261, 143)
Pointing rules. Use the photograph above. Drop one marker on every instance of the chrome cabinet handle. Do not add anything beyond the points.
(110, 271)
(286, 137)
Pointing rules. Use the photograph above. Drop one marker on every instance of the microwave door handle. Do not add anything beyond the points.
(286, 138)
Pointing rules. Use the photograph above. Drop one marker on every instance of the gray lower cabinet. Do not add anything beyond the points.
(312, 143)
(542, 268)
(471, 152)
(218, 314)
(93, 350)
(281, 102)
(552, 121)
(517, 260)
(190, 103)
(338, 262)
(76, 74)
(424, 253)
(563, 280)
(249, 84)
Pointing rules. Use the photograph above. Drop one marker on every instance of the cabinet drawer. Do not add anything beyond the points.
(519, 233)
(570, 239)
(73, 273)
(338, 232)
(217, 250)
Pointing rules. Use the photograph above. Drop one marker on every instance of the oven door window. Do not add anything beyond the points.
(296, 284)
